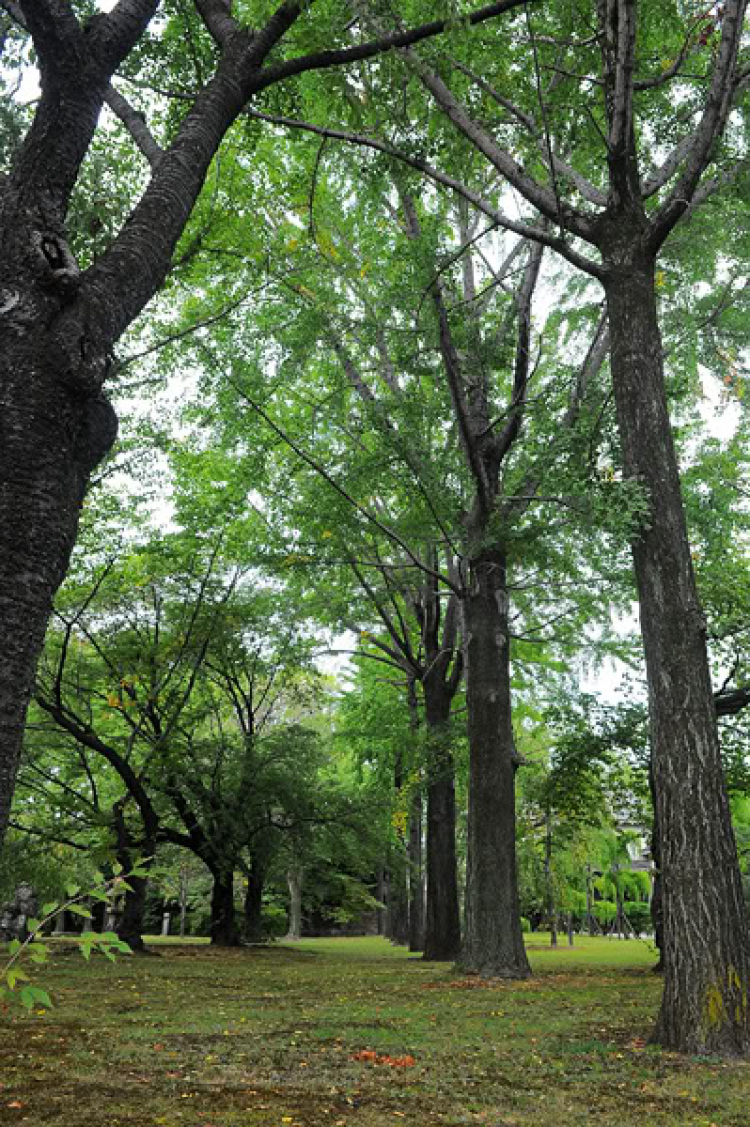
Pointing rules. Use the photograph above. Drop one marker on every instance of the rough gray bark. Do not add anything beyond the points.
(706, 951)
(493, 942)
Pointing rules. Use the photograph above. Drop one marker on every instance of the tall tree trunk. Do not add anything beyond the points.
(50, 440)
(493, 940)
(706, 1001)
(223, 923)
(442, 938)
(253, 907)
(416, 883)
(294, 882)
(130, 927)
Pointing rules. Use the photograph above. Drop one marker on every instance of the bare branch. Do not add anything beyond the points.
(510, 432)
(661, 175)
(135, 123)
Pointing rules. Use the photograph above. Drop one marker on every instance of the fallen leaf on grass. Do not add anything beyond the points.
(367, 1056)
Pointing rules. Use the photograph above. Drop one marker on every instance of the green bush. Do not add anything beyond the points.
(274, 921)
(639, 916)
(605, 911)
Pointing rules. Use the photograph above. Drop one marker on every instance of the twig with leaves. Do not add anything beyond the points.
(32, 949)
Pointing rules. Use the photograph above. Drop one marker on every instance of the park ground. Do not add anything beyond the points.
(354, 1033)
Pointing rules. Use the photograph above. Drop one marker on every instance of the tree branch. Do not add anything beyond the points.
(524, 229)
(721, 93)
(510, 432)
(407, 38)
(135, 123)
(218, 18)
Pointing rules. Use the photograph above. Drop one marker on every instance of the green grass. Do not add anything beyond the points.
(269, 1037)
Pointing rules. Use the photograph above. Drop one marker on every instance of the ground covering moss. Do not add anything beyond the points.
(355, 1033)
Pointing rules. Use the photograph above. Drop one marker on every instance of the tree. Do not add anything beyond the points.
(623, 204)
(191, 689)
(359, 387)
(60, 323)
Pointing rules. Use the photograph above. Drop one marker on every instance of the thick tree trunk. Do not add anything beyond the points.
(706, 1002)
(416, 882)
(493, 941)
(442, 938)
(50, 440)
(223, 923)
(130, 927)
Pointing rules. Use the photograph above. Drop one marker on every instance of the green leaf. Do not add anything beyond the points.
(14, 975)
(33, 924)
(50, 909)
(41, 997)
(72, 890)
(79, 910)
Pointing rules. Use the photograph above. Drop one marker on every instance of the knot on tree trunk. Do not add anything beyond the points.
(57, 267)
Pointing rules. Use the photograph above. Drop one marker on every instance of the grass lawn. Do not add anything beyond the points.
(354, 1033)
